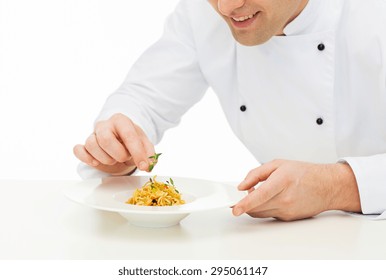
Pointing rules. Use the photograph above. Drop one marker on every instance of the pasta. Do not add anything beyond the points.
(155, 193)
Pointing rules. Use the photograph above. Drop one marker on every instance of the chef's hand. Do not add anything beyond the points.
(292, 190)
(117, 146)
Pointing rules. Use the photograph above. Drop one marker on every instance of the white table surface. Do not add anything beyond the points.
(38, 222)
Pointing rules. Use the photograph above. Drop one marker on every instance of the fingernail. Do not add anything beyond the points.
(237, 211)
(142, 165)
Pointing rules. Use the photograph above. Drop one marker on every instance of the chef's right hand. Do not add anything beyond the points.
(117, 146)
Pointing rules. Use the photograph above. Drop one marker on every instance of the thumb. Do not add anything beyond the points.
(258, 175)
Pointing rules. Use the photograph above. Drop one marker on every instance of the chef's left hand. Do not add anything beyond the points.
(292, 190)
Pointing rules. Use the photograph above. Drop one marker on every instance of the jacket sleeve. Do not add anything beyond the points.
(164, 82)
(371, 179)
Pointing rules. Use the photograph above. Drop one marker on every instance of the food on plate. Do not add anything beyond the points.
(155, 193)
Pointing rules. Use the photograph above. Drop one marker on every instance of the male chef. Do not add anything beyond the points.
(302, 84)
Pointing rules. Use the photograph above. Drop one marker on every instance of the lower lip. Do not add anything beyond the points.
(245, 23)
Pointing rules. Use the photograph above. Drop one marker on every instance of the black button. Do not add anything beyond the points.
(243, 108)
(319, 121)
(321, 47)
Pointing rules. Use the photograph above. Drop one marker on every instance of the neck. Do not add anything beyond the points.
(297, 12)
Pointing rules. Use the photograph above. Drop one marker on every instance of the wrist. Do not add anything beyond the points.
(344, 189)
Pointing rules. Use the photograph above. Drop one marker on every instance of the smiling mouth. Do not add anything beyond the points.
(244, 18)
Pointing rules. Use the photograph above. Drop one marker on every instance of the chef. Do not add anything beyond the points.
(302, 84)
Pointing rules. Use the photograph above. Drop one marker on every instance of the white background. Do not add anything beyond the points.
(59, 60)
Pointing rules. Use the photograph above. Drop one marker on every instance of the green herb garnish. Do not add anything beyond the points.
(154, 161)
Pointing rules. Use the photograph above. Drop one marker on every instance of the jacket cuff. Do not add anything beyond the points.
(371, 179)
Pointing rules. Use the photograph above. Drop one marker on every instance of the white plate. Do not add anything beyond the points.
(111, 193)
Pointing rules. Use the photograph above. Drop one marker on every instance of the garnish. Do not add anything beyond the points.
(154, 161)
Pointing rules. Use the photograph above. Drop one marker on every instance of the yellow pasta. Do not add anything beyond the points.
(155, 193)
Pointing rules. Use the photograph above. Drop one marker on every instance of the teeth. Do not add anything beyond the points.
(243, 18)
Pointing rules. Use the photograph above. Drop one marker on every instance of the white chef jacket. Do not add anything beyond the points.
(317, 94)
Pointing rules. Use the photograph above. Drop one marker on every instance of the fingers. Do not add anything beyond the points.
(149, 147)
(269, 213)
(108, 142)
(291, 190)
(257, 175)
(94, 149)
(135, 142)
(116, 141)
(260, 196)
(82, 154)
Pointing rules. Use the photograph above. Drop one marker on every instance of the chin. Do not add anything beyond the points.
(248, 43)
(250, 40)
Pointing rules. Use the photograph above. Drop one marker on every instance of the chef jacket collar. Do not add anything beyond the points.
(313, 18)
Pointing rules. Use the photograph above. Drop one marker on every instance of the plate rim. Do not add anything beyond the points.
(152, 210)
